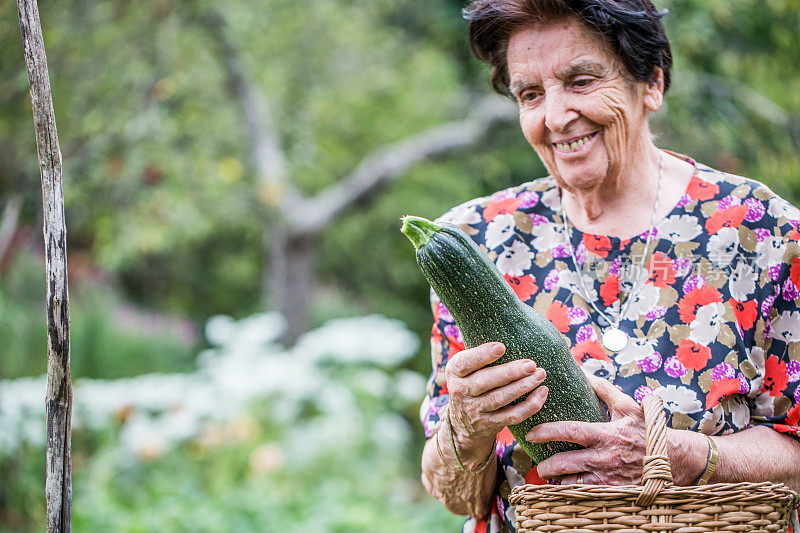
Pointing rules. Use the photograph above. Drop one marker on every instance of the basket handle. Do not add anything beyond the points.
(656, 473)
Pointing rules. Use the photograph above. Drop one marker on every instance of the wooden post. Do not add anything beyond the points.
(58, 403)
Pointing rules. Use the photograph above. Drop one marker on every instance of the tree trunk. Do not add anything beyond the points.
(291, 278)
(58, 402)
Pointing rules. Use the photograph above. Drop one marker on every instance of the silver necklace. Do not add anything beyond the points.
(613, 338)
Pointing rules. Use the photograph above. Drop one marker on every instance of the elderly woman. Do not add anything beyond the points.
(666, 277)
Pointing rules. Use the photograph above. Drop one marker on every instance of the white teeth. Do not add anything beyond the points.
(574, 145)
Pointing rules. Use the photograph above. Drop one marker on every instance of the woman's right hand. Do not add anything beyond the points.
(480, 397)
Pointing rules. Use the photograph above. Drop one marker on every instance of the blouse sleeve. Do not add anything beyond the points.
(445, 341)
(774, 393)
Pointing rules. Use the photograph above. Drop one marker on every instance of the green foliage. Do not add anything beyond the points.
(108, 339)
(331, 446)
(161, 193)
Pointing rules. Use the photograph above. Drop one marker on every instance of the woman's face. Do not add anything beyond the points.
(579, 108)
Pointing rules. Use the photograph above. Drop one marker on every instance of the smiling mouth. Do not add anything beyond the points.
(574, 145)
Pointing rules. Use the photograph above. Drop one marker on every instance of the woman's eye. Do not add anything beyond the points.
(529, 96)
(582, 82)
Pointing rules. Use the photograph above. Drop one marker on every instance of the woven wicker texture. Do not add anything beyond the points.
(657, 505)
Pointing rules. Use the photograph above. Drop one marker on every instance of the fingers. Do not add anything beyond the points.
(492, 377)
(502, 396)
(566, 466)
(517, 413)
(616, 400)
(584, 433)
(468, 361)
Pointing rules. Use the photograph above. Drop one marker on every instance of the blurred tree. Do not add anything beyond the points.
(164, 188)
(294, 221)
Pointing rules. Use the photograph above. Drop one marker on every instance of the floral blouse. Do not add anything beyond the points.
(713, 316)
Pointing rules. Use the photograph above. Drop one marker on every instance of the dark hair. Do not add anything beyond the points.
(632, 28)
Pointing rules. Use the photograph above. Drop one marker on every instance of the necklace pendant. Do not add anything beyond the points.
(614, 339)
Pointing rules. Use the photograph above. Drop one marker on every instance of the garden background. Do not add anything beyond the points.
(223, 161)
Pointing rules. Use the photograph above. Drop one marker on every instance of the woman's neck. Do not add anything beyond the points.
(624, 207)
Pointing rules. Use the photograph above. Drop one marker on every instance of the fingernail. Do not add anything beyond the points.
(540, 374)
(529, 367)
(498, 348)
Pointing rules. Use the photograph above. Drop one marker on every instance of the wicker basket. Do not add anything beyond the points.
(657, 505)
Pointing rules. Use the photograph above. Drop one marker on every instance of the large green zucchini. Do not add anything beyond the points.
(486, 309)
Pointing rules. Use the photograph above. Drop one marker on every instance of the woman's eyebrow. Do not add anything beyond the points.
(586, 66)
(518, 85)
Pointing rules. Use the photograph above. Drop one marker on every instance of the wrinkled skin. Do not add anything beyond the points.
(568, 86)
(480, 394)
(614, 450)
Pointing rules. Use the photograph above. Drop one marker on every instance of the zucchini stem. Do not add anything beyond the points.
(419, 230)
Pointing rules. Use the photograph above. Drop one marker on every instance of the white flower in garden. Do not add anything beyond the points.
(372, 339)
(157, 411)
(723, 246)
(373, 381)
(786, 326)
(463, 214)
(742, 281)
(706, 324)
(390, 431)
(220, 329)
(499, 230)
(549, 235)
(679, 399)
(769, 252)
(409, 386)
(514, 259)
(679, 228)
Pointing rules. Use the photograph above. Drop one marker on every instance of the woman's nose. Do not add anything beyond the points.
(559, 114)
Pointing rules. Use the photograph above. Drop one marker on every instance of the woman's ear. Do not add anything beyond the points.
(654, 92)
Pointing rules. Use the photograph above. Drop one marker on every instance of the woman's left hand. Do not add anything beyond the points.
(614, 450)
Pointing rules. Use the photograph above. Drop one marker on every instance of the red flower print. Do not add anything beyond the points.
(532, 477)
(794, 271)
(794, 234)
(726, 218)
(456, 345)
(775, 376)
(585, 350)
(482, 525)
(662, 273)
(793, 416)
(746, 312)
(557, 314)
(693, 355)
(524, 286)
(504, 438)
(436, 336)
(598, 244)
(695, 299)
(702, 190)
(609, 290)
(501, 207)
(721, 390)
